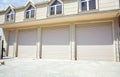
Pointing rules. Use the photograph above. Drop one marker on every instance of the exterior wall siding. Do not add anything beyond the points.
(19, 16)
(5, 38)
(12, 40)
(70, 7)
(116, 38)
(2, 19)
(41, 12)
(108, 4)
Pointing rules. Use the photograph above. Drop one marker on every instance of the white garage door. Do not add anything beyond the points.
(55, 41)
(94, 41)
(11, 43)
(27, 43)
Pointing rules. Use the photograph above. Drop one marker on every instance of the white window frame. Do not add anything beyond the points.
(55, 6)
(10, 17)
(30, 13)
(80, 6)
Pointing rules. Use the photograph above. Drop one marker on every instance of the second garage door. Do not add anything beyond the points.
(11, 44)
(27, 43)
(55, 43)
(94, 41)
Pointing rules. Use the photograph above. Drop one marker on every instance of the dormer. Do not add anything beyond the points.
(88, 5)
(10, 14)
(55, 7)
(30, 10)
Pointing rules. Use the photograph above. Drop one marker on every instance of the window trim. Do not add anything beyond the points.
(80, 8)
(49, 8)
(10, 20)
(30, 13)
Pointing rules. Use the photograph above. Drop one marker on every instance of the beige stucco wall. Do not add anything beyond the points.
(19, 16)
(108, 4)
(2, 18)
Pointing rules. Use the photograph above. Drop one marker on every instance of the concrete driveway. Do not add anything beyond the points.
(58, 68)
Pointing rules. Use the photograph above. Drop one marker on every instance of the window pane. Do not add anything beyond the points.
(7, 17)
(10, 12)
(32, 13)
(12, 17)
(52, 10)
(27, 14)
(84, 6)
(59, 9)
(92, 4)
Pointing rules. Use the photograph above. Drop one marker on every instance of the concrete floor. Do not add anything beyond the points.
(55, 68)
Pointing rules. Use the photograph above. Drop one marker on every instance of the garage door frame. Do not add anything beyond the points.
(72, 37)
(113, 33)
(54, 26)
(17, 37)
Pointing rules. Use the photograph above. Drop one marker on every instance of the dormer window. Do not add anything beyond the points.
(87, 5)
(56, 8)
(30, 12)
(10, 16)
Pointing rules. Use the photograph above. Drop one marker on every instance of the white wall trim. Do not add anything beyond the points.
(116, 39)
(16, 44)
(7, 50)
(114, 42)
(39, 43)
(72, 42)
(98, 21)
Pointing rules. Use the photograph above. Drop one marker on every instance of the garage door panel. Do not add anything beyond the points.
(55, 34)
(55, 43)
(27, 37)
(95, 52)
(27, 43)
(56, 52)
(11, 43)
(95, 41)
(27, 52)
(91, 34)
